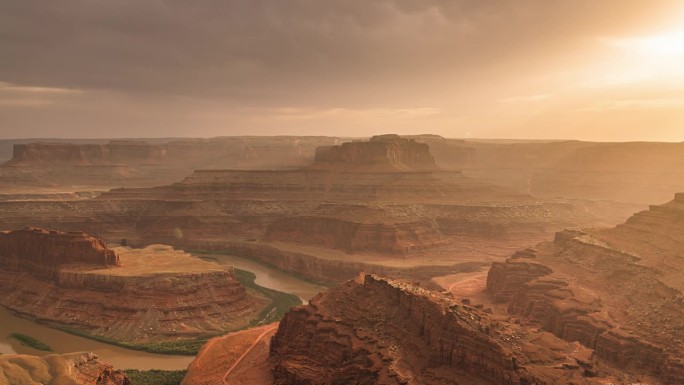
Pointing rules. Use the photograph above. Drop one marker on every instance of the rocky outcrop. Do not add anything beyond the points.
(618, 291)
(42, 252)
(506, 278)
(387, 332)
(53, 369)
(380, 153)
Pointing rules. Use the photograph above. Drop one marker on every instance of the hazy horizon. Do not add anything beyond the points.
(582, 70)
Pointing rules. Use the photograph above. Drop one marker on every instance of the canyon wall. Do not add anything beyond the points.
(617, 290)
(138, 163)
(353, 237)
(388, 332)
(42, 252)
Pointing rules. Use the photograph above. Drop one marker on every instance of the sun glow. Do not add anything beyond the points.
(656, 57)
(669, 45)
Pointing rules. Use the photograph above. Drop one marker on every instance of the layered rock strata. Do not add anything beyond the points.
(403, 217)
(356, 236)
(387, 332)
(618, 291)
(61, 165)
(153, 294)
(381, 153)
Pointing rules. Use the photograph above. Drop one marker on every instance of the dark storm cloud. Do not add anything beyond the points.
(276, 50)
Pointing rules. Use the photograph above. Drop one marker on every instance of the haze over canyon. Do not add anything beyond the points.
(346, 192)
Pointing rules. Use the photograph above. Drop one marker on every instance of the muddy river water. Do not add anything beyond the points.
(121, 358)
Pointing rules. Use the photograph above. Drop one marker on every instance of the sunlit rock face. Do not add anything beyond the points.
(382, 331)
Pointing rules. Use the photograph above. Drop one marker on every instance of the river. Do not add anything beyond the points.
(121, 358)
(271, 277)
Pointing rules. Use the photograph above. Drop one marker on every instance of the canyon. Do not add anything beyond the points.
(135, 296)
(633, 172)
(375, 330)
(616, 290)
(461, 283)
(381, 205)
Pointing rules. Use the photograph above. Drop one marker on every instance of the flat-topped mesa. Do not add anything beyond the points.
(42, 252)
(116, 151)
(380, 154)
(383, 331)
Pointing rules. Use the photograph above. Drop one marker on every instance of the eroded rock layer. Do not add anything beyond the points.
(387, 332)
(153, 294)
(54, 369)
(618, 291)
(42, 252)
(69, 166)
(405, 217)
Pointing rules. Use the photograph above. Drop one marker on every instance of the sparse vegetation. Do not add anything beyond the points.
(30, 342)
(280, 304)
(181, 347)
(155, 377)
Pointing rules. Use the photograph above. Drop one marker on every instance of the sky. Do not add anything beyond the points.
(609, 70)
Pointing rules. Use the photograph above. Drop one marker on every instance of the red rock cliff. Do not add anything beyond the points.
(41, 252)
(387, 332)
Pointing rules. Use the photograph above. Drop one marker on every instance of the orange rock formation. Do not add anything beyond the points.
(387, 332)
(618, 291)
(154, 294)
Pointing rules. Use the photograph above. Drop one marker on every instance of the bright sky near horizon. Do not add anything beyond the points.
(609, 70)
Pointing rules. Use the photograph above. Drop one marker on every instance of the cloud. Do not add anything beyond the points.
(14, 88)
(6, 102)
(152, 67)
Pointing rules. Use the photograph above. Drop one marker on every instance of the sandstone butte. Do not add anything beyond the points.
(55, 369)
(617, 291)
(379, 206)
(382, 331)
(71, 279)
